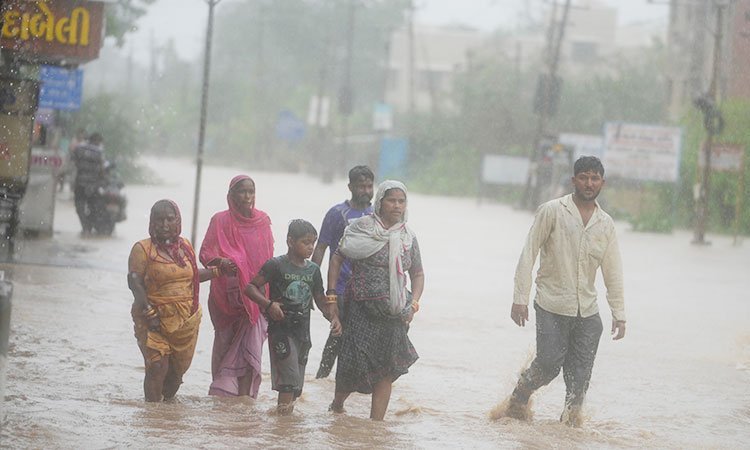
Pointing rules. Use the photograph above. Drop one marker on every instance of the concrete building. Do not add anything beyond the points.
(692, 27)
(440, 53)
(592, 40)
(589, 40)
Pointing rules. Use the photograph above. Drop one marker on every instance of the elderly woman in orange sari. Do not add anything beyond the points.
(164, 279)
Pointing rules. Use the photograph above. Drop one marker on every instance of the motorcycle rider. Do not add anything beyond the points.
(89, 162)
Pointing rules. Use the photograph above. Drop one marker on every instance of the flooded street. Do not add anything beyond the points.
(680, 378)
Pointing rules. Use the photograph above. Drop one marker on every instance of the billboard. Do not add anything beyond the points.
(642, 152)
(504, 169)
(52, 31)
(724, 157)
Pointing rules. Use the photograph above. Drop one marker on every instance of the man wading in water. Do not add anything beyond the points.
(575, 238)
(337, 218)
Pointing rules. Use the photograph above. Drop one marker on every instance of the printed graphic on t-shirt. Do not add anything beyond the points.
(298, 292)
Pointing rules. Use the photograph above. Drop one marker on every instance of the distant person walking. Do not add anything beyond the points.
(338, 217)
(88, 159)
(238, 241)
(575, 238)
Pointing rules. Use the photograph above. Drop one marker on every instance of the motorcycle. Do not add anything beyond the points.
(107, 205)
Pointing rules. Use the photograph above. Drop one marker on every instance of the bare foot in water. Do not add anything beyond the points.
(513, 409)
(285, 409)
(336, 410)
(572, 416)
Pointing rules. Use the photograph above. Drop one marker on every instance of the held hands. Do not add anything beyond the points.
(331, 312)
(336, 329)
(227, 267)
(618, 326)
(519, 314)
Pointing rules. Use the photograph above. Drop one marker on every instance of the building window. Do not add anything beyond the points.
(583, 52)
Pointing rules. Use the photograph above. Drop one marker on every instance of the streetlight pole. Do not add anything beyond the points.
(204, 108)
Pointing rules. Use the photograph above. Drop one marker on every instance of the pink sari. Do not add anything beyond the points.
(239, 327)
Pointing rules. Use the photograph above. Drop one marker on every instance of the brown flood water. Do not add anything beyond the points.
(680, 379)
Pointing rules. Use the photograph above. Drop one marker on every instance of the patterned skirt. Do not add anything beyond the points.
(372, 348)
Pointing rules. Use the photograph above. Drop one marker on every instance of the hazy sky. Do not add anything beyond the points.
(185, 20)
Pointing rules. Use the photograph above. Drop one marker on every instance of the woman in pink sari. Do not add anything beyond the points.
(238, 241)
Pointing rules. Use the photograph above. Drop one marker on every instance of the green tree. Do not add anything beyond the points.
(122, 16)
(104, 114)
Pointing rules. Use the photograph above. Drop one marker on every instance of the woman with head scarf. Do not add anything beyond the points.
(164, 279)
(238, 241)
(375, 348)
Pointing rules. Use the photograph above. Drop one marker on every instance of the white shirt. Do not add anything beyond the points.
(570, 255)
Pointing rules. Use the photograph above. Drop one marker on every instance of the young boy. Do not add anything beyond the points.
(294, 282)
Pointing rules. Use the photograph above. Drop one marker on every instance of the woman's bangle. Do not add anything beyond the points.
(149, 312)
(267, 306)
(330, 292)
(216, 271)
(332, 298)
(415, 304)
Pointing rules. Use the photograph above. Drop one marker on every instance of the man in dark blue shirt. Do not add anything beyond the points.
(338, 217)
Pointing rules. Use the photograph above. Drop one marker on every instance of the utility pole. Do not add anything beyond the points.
(204, 109)
(545, 86)
(713, 125)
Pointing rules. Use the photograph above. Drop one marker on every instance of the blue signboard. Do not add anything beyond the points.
(61, 88)
(393, 152)
(289, 127)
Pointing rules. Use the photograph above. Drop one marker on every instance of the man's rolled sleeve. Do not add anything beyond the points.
(613, 279)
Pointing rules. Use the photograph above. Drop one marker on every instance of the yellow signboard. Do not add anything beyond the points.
(52, 30)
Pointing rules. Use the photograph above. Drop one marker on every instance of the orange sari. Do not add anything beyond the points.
(169, 289)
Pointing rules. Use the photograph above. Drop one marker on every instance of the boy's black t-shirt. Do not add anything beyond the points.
(293, 287)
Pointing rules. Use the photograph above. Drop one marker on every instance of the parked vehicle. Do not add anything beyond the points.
(107, 205)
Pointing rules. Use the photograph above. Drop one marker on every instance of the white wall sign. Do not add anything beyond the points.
(724, 157)
(503, 169)
(642, 152)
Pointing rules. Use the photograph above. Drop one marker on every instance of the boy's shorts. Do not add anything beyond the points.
(288, 361)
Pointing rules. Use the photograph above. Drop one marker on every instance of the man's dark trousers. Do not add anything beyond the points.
(563, 342)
